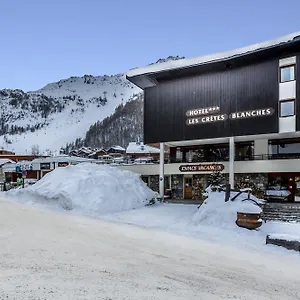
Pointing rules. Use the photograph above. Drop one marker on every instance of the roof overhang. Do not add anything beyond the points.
(145, 77)
(224, 140)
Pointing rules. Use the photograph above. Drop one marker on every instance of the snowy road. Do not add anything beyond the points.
(52, 255)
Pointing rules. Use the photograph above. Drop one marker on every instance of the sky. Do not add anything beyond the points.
(43, 41)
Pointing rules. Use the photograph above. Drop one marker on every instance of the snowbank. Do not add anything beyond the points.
(217, 213)
(88, 188)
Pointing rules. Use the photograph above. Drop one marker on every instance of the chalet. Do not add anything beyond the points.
(97, 153)
(136, 150)
(116, 151)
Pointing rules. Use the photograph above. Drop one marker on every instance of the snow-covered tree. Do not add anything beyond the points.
(216, 180)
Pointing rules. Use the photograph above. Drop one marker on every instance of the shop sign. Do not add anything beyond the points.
(45, 166)
(62, 164)
(202, 168)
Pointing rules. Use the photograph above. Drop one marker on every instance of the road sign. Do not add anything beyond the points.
(24, 173)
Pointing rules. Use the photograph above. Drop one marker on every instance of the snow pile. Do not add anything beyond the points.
(217, 213)
(89, 189)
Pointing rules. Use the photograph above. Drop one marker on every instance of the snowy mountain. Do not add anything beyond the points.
(162, 60)
(122, 127)
(60, 112)
(96, 111)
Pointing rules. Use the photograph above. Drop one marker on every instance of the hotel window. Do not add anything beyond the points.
(287, 108)
(287, 73)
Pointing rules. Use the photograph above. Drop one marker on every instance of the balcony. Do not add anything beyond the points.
(237, 158)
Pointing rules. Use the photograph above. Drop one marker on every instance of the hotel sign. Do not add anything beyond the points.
(202, 168)
(252, 113)
(206, 119)
(202, 111)
(212, 115)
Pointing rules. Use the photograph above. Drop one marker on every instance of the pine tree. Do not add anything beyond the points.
(216, 180)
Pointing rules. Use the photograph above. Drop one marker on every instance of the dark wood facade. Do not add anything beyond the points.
(298, 93)
(241, 84)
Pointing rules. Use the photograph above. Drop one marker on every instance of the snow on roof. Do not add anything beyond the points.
(118, 148)
(4, 161)
(138, 147)
(190, 62)
(11, 167)
(97, 151)
(84, 150)
(62, 159)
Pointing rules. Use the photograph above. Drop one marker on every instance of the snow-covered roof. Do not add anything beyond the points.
(4, 161)
(96, 152)
(84, 150)
(117, 148)
(11, 167)
(140, 148)
(62, 159)
(196, 61)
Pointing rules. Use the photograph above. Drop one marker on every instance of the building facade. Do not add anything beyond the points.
(236, 112)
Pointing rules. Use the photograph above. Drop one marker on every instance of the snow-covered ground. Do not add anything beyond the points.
(103, 192)
(178, 219)
(56, 255)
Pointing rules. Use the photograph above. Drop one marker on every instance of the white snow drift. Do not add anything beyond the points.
(217, 213)
(88, 188)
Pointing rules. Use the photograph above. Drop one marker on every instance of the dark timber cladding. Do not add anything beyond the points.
(233, 89)
(298, 93)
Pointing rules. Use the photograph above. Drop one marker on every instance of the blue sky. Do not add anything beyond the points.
(46, 40)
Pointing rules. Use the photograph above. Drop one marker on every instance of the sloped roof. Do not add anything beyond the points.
(97, 151)
(116, 147)
(4, 161)
(140, 148)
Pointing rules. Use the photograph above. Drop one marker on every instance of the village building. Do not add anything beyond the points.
(236, 112)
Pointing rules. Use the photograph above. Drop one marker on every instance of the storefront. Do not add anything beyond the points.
(238, 110)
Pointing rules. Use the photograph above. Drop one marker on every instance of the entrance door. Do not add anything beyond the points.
(188, 186)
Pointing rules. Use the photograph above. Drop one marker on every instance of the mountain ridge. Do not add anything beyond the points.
(61, 112)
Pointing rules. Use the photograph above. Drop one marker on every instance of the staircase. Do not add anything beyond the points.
(284, 212)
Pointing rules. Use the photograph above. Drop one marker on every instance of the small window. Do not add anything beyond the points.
(287, 108)
(287, 73)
